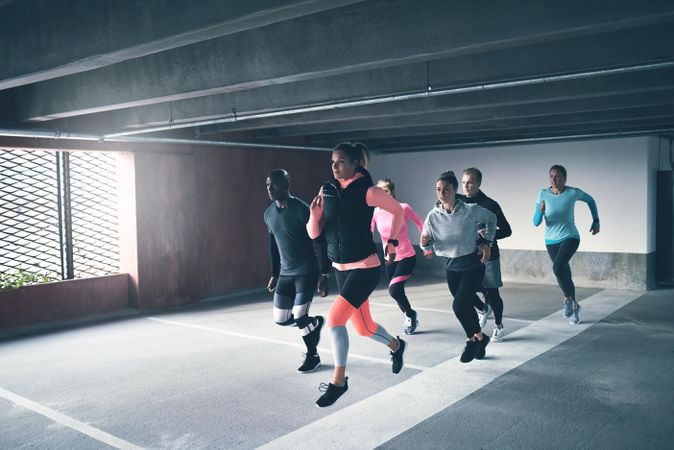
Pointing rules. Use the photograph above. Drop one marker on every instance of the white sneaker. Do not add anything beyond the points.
(484, 315)
(497, 335)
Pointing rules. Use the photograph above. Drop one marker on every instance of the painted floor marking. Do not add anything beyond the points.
(276, 341)
(444, 311)
(68, 421)
(391, 412)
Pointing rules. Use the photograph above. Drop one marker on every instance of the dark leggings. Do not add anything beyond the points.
(398, 273)
(463, 286)
(493, 297)
(561, 254)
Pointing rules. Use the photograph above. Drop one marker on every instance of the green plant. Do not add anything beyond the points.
(21, 277)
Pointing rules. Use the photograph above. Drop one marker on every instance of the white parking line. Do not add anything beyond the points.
(68, 421)
(383, 416)
(443, 311)
(275, 341)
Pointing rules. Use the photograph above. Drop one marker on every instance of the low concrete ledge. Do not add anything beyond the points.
(631, 271)
(63, 300)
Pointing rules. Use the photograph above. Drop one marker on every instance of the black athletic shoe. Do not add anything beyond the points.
(469, 351)
(332, 393)
(397, 356)
(482, 348)
(316, 333)
(311, 363)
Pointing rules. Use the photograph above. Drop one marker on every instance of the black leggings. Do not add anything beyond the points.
(463, 286)
(398, 273)
(561, 254)
(493, 297)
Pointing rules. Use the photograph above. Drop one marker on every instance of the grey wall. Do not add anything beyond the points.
(619, 173)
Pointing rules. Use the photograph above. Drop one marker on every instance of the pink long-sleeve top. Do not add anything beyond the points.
(382, 220)
(375, 197)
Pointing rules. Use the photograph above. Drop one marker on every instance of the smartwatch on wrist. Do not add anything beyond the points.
(394, 242)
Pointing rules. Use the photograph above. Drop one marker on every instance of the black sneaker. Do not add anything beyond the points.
(397, 356)
(482, 348)
(311, 363)
(469, 351)
(316, 333)
(332, 393)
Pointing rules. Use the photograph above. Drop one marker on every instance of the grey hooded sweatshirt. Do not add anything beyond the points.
(454, 235)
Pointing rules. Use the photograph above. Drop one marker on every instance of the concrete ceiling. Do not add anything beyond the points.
(398, 75)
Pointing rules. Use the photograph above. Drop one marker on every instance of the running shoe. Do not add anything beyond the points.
(331, 393)
(498, 333)
(311, 363)
(397, 356)
(316, 332)
(484, 315)
(469, 351)
(410, 324)
(568, 308)
(481, 351)
(575, 317)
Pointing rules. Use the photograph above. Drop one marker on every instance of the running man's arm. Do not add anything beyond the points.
(503, 229)
(321, 247)
(489, 219)
(274, 256)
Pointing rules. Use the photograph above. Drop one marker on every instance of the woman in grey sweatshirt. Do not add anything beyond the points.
(451, 230)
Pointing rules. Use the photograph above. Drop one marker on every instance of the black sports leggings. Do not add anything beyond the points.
(398, 273)
(561, 254)
(493, 297)
(463, 286)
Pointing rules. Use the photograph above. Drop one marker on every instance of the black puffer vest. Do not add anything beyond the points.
(348, 219)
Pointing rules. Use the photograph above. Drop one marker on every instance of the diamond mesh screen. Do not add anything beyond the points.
(29, 232)
(32, 235)
(93, 186)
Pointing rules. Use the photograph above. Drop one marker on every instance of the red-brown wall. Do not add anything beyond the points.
(199, 219)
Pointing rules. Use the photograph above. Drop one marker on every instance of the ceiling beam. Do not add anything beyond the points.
(46, 39)
(331, 44)
(625, 48)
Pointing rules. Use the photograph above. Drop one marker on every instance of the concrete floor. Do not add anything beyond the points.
(222, 375)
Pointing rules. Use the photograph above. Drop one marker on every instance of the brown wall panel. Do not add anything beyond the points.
(199, 219)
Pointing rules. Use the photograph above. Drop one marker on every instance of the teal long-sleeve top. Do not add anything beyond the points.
(559, 213)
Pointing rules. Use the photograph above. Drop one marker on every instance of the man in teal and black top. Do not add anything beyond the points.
(556, 205)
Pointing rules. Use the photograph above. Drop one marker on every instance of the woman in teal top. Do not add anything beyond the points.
(556, 205)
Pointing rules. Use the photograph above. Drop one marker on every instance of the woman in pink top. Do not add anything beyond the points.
(343, 212)
(406, 258)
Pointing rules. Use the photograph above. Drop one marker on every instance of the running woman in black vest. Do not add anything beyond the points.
(343, 211)
(295, 269)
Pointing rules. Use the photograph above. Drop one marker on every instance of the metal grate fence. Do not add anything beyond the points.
(58, 213)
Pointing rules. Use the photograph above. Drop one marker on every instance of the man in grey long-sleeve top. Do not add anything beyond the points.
(451, 230)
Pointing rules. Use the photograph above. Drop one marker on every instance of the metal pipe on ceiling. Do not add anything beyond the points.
(494, 142)
(58, 135)
(429, 92)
